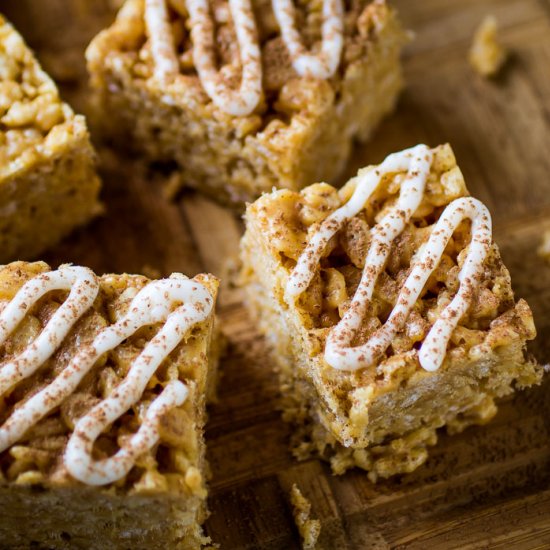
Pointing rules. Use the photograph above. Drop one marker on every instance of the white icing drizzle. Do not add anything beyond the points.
(324, 64)
(243, 100)
(432, 352)
(338, 351)
(161, 38)
(417, 161)
(83, 287)
(237, 102)
(153, 304)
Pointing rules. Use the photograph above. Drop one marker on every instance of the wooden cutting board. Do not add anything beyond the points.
(486, 488)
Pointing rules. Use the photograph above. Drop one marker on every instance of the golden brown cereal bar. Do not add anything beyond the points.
(388, 309)
(48, 183)
(104, 382)
(299, 129)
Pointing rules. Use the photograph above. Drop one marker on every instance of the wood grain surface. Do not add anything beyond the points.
(486, 488)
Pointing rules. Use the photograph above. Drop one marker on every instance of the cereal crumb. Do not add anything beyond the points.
(487, 55)
(308, 528)
(193, 480)
(544, 249)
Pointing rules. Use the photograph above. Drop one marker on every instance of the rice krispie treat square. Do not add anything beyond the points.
(103, 385)
(388, 309)
(285, 106)
(48, 182)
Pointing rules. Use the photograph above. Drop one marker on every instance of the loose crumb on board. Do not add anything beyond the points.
(308, 528)
(544, 249)
(487, 55)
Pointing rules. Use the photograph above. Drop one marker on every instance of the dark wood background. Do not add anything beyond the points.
(486, 488)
